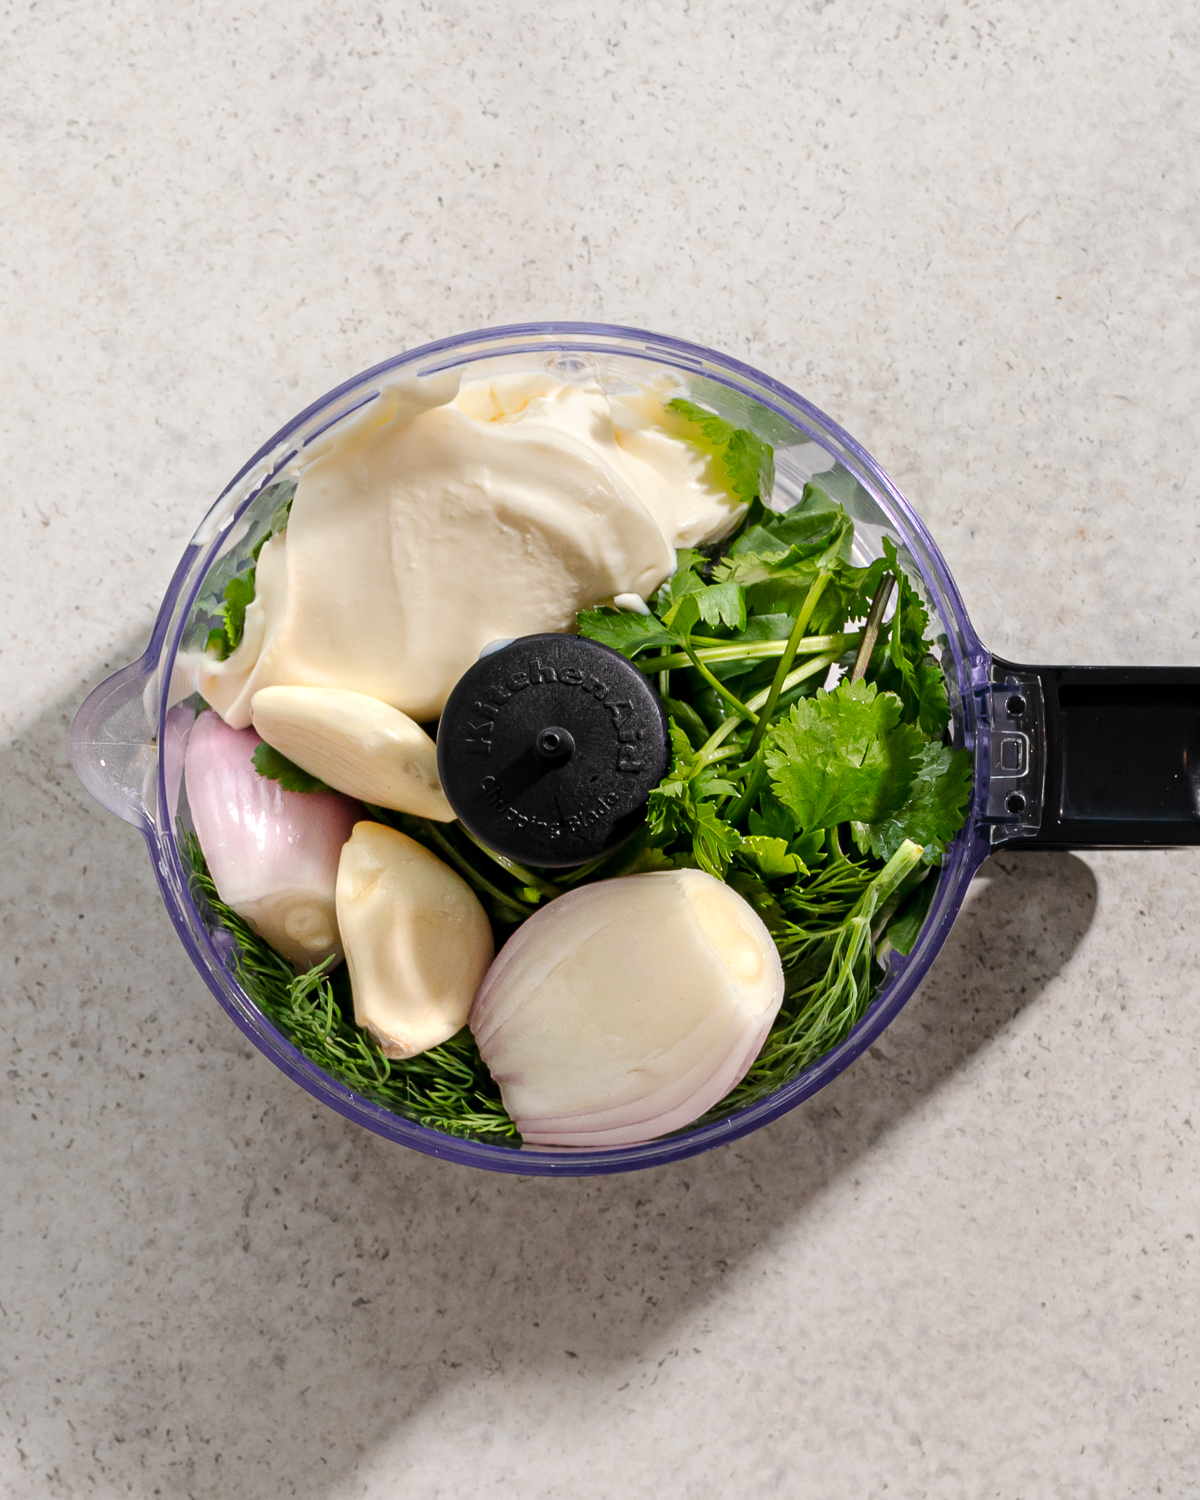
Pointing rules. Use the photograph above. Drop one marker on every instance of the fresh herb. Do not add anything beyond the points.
(843, 757)
(744, 463)
(827, 997)
(810, 771)
(823, 802)
(447, 1088)
(274, 765)
(933, 811)
(224, 639)
(904, 928)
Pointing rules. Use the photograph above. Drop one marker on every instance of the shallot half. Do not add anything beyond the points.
(626, 1009)
(273, 855)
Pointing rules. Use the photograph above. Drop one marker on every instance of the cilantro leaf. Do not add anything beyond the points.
(843, 757)
(681, 749)
(680, 807)
(280, 516)
(771, 856)
(933, 705)
(772, 820)
(933, 812)
(904, 665)
(743, 463)
(772, 824)
(776, 544)
(624, 630)
(714, 842)
(904, 928)
(225, 638)
(778, 560)
(810, 849)
(270, 763)
(686, 718)
(722, 604)
(836, 489)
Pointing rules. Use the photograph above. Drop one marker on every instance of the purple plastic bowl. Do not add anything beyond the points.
(126, 736)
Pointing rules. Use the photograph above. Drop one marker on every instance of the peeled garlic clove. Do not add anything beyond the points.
(417, 941)
(273, 855)
(626, 1009)
(360, 745)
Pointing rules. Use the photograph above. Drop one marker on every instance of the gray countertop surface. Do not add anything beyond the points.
(968, 1267)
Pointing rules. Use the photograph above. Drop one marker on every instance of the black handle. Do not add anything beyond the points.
(1093, 757)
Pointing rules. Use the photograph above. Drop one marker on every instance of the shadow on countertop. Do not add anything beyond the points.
(209, 1284)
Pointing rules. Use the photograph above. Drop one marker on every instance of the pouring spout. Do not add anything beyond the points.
(113, 746)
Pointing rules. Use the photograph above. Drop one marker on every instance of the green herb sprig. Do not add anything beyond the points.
(824, 808)
(275, 766)
(447, 1088)
(224, 639)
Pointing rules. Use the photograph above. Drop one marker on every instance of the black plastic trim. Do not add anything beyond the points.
(1122, 757)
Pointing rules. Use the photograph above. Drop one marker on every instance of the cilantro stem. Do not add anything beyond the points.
(610, 865)
(522, 908)
(705, 755)
(904, 859)
(526, 877)
(719, 687)
(758, 767)
(870, 631)
(754, 784)
(785, 663)
(749, 650)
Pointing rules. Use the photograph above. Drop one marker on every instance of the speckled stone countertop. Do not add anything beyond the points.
(968, 1268)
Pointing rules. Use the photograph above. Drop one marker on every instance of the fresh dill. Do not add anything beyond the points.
(447, 1088)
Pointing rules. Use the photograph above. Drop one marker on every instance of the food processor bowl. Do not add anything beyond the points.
(127, 737)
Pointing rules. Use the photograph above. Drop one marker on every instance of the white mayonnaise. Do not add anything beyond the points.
(442, 519)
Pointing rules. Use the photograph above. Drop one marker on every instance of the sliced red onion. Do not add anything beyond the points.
(626, 1009)
(273, 855)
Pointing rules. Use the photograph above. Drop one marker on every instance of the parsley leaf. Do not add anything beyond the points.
(843, 756)
(714, 842)
(270, 763)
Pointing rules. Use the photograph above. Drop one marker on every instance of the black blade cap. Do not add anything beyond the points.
(549, 747)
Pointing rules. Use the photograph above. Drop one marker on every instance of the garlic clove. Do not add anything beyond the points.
(626, 1009)
(273, 855)
(357, 744)
(417, 941)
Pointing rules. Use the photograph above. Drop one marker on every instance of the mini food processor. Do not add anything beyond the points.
(1063, 757)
